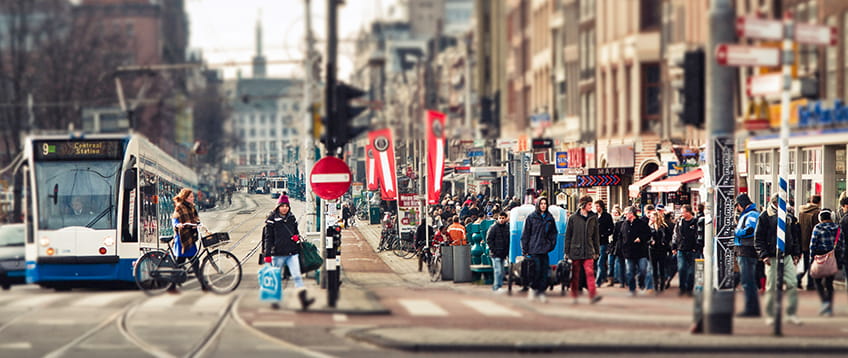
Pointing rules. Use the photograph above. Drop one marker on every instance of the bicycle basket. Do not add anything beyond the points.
(216, 239)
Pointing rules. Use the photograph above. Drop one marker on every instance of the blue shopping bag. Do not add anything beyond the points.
(270, 284)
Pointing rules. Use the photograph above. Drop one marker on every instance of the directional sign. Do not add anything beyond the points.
(764, 85)
(816, 34)
(756, 28)
(737, 55)
(330, 178)
(597, 180)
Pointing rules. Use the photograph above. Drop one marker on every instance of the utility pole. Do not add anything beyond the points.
(718, 302)
(332, 272)
(309, 108)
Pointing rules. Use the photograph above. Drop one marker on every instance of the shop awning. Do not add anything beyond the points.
(636, 187)
(673, 183)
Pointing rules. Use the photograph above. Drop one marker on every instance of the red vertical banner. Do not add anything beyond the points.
(384, 155)
(371, 171)
(435, 155)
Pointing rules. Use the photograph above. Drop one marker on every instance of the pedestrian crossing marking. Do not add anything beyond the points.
(163, 301)
(100, 300)
(36, 301)
(340, 317)
(56, 322)
(422, 308)
(489, 308)
(210, 303)
(16, 345)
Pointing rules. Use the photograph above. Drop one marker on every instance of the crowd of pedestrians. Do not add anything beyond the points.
(644, 248)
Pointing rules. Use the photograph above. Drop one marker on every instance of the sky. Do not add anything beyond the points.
(225, 32)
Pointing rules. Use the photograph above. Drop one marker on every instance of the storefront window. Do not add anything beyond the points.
(811, 170)
(840, 173)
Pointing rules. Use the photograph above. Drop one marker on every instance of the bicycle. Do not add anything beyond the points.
(434, 264)
(405, 247)
(219, 270)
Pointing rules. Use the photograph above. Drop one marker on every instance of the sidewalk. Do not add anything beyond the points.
(619, 323)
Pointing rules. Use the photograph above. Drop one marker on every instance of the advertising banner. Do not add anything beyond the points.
(435, 155)
(371, 174)
(384, 154)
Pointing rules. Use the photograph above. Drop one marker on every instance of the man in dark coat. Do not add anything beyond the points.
(636, 234)
(808, 218)
(765, 244)
(605, 229)
(537, 240)
(582, 247)
(498, 240)
(684, 245)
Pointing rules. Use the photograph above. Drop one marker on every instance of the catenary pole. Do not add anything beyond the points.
(718, 304)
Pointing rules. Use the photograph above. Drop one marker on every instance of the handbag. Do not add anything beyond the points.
(825, 265)
(310, 258)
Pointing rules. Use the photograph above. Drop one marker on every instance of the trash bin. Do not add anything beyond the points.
(447, 262)
(374, 215)
(461, 263)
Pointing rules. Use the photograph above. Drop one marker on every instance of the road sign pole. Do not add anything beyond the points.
(784, 166)
(717, 304)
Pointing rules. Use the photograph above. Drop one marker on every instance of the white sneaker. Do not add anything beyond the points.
(531, 294)
(769, 321)
(501, 290)
(794, 319)
(543, 298)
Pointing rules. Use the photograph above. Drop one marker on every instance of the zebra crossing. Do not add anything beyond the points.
(418, 307)
(192, 301)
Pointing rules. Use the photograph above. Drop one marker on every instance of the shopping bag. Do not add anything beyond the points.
(270, 284)
(310, 258)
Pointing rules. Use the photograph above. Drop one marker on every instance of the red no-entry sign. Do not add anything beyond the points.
(330, 178)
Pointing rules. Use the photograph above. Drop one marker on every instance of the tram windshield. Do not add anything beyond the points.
(77, 193)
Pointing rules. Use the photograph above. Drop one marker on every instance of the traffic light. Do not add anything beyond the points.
(339, 128)
(691, 89)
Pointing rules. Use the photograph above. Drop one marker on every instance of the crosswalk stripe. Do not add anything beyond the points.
(163, 301)
(340, 317)
(273, 324)
(489, 308)
(100, 300)
(422, 308)
(16, 345)
(210, 303)
(36, 301)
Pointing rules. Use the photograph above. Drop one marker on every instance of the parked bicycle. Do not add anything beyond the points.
(219, 270)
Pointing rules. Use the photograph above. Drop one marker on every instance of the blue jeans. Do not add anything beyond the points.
(645, 273)
(498, 272)
(748, 279)
(293, 263)
(618, 268)
(686, 268)
(601, 266)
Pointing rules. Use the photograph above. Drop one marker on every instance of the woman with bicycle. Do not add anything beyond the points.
(280, 242)
(186, 221)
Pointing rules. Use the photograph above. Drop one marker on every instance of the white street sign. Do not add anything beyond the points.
(755, 28)
(816, 34)
(764, 85)
(738, 55)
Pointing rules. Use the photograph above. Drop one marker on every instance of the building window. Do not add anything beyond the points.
(811, 161)
(272, 133)
(252, 133)
(272, 145)
(252, 146)
(651, 90)
(242, 147)
(241, 133)
(650, 15)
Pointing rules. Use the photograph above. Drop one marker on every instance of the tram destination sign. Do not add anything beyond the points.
(78, 149)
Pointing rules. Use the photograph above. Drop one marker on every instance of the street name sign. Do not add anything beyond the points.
(738, 55)
(816, 34)
(756, 28)
(330, 178)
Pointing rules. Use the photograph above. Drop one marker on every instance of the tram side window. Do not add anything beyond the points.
(167, 192)
(149, 201)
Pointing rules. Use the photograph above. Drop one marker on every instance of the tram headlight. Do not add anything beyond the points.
(102, 251)
(50, 251)
(44, 242)
(109, 241)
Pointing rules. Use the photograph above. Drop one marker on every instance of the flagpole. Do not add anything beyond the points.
(425, 164)
(397, 188)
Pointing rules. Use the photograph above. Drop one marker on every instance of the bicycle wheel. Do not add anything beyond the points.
(147, 272)
(221, 271)
(435, 268)
(402, 247)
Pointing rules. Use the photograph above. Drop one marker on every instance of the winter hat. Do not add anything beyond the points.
(283, 200)
(660, 207)
(743, 200)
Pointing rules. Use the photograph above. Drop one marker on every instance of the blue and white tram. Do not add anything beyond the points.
(93, 203)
